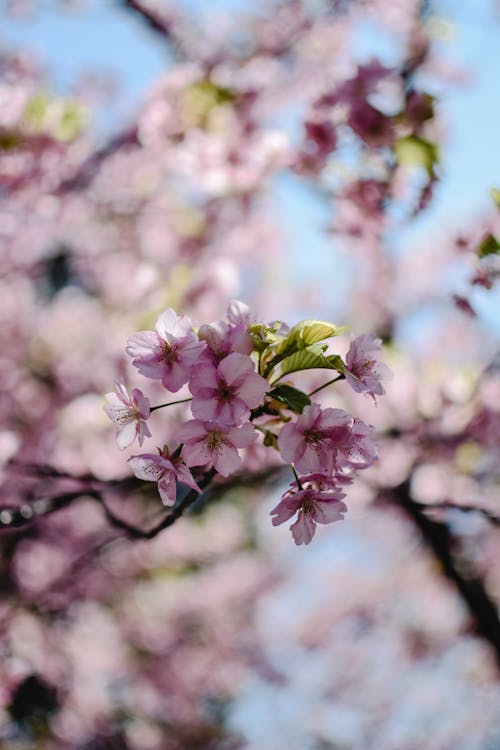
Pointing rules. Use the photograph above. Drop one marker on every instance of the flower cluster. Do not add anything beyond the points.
(234, 371)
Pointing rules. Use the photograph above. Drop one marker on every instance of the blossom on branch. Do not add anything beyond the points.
(318, 500)
(129, 413)
(227, 393)
(169, 353)
(364, 370)
(308, 443)
(223, 338)
(208, 443)
(161, 468)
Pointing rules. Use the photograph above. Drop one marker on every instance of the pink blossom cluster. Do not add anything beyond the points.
(232, 370)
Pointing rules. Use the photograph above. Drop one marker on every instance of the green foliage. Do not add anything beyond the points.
(300, 349)
(200, 99)
(495, 194)
(488, 246)
(311, 358)
(9, 139)
(294, 399)
(414, 151)
(63, 119)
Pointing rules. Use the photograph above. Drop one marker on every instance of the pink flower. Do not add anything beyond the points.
(355, 449)
(319, 501)
(153, 467)
(309, 442)
(227, 393)
(129, 414)
(215, 444)
(364, 370)
(169, 353)
(238, 313)
(224, 338)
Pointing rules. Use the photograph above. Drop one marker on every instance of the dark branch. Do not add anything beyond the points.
(154, 20)
(437, 536)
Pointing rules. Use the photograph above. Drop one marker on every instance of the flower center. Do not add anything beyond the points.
(226, 392)
(169, 352)
(214, 440)
(314, 437)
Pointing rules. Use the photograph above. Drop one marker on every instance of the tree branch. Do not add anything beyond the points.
(153, 19)
(437, 536)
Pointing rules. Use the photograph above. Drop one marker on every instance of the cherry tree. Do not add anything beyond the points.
(154, 596)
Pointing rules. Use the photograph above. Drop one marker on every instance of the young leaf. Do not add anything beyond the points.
(489, 246)
(307, 359)
(495, 194)
(413, 151)
(293, 398)
(304, 334)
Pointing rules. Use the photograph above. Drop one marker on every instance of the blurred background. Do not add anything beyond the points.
(332, 159)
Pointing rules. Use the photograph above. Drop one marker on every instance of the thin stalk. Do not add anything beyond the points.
(171, 403)
(320, 388)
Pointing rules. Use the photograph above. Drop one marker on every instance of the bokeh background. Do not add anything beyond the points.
(332, 159)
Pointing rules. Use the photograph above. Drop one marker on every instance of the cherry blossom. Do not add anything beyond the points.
(355, 448)
(129, 413)
(318, 500)
(169, 353)
(364, 370)
(165, 470)
(227, 393)
(308, 442)
(208, 443)
(223, 339)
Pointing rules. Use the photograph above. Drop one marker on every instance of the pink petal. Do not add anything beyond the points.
(123, 394)
(143, 432)
(142, 403)
(125, 435)
(235, 367)
(142, 344)
(286, 508)
(114, 399)
(329, 511)
(196, 454)
(290, 441)
(167, 487)
(185, 476)
(253, 390)
(242, 436)
(303, 529)
(226, 460)
(145, 467)
(169, 324)
(192, 430)
(118, 413)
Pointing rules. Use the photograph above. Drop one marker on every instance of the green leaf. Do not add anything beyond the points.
(295, 400)
(489, 246)
(300, 337)
(336, 363)
(413, 151)
(265, 335)
(304, 334)
(307, 359)
(495, 194)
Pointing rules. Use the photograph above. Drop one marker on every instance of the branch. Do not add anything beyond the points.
(437, 536)
(153, 19)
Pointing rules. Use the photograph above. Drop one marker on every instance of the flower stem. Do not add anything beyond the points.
(171, 403)
(299, 483)
(320, 388)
